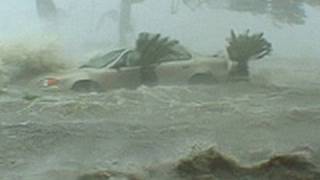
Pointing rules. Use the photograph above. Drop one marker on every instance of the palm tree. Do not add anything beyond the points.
(151, 50)
(283, 11)
(245, 47)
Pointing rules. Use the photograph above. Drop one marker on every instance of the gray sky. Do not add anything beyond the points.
(203, 30)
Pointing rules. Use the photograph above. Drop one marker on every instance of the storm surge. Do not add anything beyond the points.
(212, 165)
(267, 127)
(24, 61)
(264, 126)
(149, 132)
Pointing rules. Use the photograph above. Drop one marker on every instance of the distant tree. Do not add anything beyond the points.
(125, 26)
(288, 11)
(191, 4)
(46, 9)
(49, 14)
(253, 6)
(313, 2)
(282, 11)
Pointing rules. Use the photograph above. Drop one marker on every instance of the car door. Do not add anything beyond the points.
(175, 68)
(126, 74)
(175, 72)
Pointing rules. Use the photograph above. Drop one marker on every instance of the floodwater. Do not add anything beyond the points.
(62, 135)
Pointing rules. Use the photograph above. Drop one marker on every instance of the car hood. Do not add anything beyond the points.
(68, 78)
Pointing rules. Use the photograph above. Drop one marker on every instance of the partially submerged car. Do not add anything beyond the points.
(121, 69)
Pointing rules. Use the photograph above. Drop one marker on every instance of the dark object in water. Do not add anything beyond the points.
(245, 47)
(95, 176)
(106, 175)
(212, 165)
(30, 97)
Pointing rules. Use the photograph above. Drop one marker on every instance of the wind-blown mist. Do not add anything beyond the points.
(50, 132)
(203, 30)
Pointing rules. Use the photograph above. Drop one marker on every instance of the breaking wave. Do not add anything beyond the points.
(25, 61)
(63, 135)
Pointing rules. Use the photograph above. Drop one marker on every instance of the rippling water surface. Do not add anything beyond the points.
(59, 134)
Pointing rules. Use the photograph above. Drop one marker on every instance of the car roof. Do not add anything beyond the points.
(101, 61)
(180, 53)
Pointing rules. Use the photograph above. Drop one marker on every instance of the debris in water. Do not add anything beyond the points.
(212, 165)
(95, 176)
(106, 175)
(30, 97)
(311, 114)
(3, 91)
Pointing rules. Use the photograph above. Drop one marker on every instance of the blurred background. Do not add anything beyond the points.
(85, 25)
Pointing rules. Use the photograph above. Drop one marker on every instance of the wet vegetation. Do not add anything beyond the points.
(151, 49)
(212, 165)
(245, 47)
(281, 11)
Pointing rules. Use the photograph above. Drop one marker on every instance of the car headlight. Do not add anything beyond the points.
(50, 82)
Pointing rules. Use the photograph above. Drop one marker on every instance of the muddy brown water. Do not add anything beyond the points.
(64, 134)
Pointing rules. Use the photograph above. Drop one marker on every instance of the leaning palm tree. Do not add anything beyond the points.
(245, 47)
(151, 50)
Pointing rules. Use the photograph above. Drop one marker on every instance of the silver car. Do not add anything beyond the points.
(118, 69)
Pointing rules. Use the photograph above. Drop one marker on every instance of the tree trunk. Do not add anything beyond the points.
(243, 69)
(48, 14)
(125, 21)
(46, 9)
(241, 72)
(148, 75)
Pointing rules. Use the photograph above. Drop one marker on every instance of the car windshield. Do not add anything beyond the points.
(180, 53)
(99, 62)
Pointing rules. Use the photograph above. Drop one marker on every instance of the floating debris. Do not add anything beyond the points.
(212, 165)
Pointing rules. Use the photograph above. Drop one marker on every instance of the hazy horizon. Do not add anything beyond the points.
(203, 30)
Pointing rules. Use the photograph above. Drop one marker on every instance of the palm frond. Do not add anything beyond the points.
(244, 47)
(152, 48)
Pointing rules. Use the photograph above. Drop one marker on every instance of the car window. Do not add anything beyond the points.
(128, 59)
(104, 60)
(123, 61)
(179, 53)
